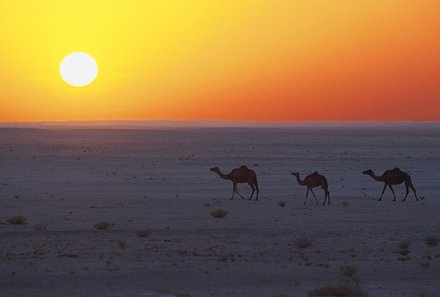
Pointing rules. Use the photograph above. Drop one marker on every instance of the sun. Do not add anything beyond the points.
(78, 69)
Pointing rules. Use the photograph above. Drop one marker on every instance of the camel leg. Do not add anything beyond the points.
(410, 186)
(307, 195)
(407, 192)
(393, 192)
(234, 188)
(415, 194)
(327, 195)
(311, 190)
(253, 190)
(383, 191)
(258, 191)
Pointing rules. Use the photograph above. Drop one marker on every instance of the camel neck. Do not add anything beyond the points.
(378, 178)
(299, 180)
(222, 175)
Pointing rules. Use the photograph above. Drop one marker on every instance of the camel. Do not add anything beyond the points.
(393, 177)
(312, 181)
(240, 175)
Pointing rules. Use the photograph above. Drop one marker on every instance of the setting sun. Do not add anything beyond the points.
(78, 69)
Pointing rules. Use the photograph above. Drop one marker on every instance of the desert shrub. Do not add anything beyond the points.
(102, 226)
(143, 233)
(338, 291)
(303, 243)
(122, 244)
(282, 203)
(17, 220)
(404, 244)
(432, 241)
(219, 213)
(404, 252)
(349, 271)
(345, 203)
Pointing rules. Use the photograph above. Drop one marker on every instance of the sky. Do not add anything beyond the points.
(273, 60)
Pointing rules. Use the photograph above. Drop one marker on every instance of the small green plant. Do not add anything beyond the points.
(303, 243)
(17, 220)
(102, 226)
(143, 233)
(432, 241)
(219, 213)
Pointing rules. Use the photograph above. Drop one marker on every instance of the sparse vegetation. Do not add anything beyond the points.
(404, 252)
(17, 220)
(338, 291)
(219, 213)
(345, 203)
(164, 290)
(102, 226)
(282, 204)
(143, 233)
(39, 227)
(432, 241)
(303, 243)
(349, 271)
(122, 244)
(404, 244)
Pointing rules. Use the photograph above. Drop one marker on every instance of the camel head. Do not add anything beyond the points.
(295, 174)
(215, 169)
(368, 172)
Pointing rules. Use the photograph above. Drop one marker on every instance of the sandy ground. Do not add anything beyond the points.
(64, 181)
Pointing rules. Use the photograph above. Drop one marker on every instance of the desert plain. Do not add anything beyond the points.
(127, 212)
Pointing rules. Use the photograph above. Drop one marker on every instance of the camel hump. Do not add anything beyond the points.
(315, 173)
(397, 169)
(243, 167)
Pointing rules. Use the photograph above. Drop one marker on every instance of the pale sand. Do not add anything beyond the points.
(160, 180)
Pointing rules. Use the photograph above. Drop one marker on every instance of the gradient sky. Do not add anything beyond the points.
(233, 60)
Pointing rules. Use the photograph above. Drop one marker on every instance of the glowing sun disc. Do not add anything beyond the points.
(78, 69)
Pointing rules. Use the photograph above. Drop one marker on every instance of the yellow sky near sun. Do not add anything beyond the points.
(250, 60)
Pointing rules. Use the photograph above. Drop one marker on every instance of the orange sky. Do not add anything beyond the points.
(223, 60)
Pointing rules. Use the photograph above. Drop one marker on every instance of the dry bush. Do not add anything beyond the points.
(122, 244)
(338, 291)
(404, 252)
(219, 213)
(164, 290)
(349, 271)
(432, 241)
(404, 244)
(282, 203)
(303, 243)
(102, 225)
(143, 233)
(17, 220)
(39, 227)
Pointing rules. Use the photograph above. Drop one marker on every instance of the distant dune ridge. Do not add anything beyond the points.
(165, 124)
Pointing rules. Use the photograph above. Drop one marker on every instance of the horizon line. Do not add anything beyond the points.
(145, 124)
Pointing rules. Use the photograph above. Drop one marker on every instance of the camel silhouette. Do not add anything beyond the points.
(393, 177)
(312, 181)
(240, 175)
